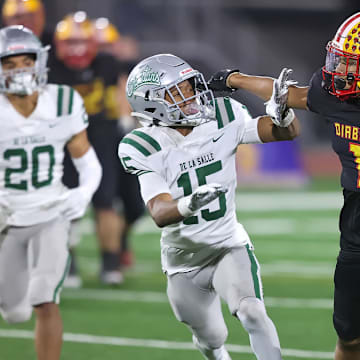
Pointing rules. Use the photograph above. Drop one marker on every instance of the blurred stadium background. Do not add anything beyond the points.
(294, 229)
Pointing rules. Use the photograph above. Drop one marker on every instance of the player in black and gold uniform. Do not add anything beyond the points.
(334, 93)
(95, 76)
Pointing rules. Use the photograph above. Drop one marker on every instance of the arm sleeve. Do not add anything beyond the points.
(90, 172)
(247, 126)
(152, 184)
(251, 134)
(317, 96)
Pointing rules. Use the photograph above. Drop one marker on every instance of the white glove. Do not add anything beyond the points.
(200, 197)
(5, 211)
(74, 203)
(276, 107)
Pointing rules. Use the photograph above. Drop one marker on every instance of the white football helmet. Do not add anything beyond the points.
(18, 40)
(157, 77)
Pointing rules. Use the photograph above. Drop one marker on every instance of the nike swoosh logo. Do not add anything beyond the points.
(216, 139)
(53, 125)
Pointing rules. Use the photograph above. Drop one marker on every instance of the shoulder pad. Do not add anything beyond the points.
(142, 142)
(224, 111)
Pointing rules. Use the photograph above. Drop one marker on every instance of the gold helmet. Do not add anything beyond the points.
(110, 41)
(341, 71)
(105, 31)
(75, 40)
(29, 13)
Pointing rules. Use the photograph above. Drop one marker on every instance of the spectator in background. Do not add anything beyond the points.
(125, 49)
(95, 76)
(30, 13)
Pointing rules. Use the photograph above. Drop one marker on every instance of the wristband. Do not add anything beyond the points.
(183, 206)
(227, 79)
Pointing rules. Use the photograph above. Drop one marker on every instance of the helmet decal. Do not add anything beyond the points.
(186, 71)
(351, 42)
(146, 77)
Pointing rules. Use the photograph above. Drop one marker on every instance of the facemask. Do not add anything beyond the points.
(194, 108)
(22, 83)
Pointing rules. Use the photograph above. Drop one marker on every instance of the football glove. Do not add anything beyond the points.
(217, 82)
(74, 203)
(200, 197)
(277, 107)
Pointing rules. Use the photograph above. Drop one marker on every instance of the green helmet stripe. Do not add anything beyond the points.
(136, 145)
(148, 138)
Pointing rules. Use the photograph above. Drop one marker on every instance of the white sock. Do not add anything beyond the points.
(212, 354)
(264, 340)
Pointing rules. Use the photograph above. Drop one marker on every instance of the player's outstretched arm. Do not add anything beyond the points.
(261, 86)
(166, 211)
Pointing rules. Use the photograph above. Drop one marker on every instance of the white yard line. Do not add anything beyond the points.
(256, 226)
(157, 344)
(289, 201)
(298, 269)
(262, 202)
(158, 297)
(295, 269)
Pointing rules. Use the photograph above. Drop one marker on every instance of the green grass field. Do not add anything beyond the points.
(296, 241)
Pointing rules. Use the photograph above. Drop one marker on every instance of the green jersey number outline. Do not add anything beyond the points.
(201, 174)
(24, 163)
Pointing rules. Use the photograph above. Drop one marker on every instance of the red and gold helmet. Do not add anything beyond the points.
(29, 13)
(75, 41)
(341, 71)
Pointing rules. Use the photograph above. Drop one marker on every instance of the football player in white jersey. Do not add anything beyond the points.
(185, 159)
(37, 120)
